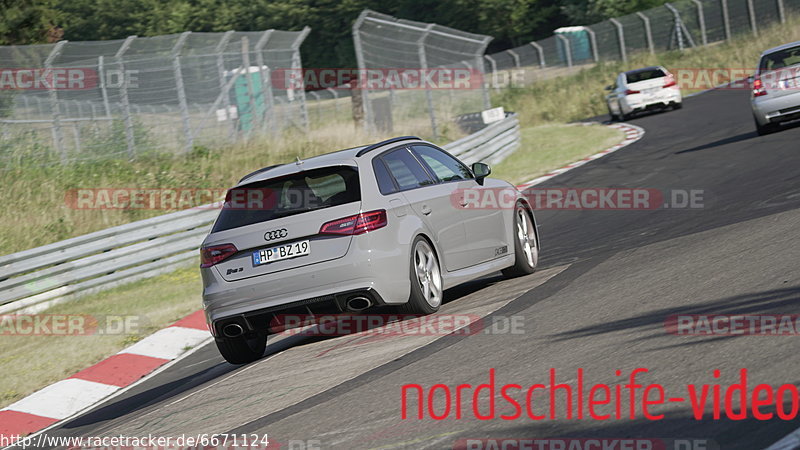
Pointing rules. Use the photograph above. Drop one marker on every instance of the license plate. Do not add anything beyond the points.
(293, 250)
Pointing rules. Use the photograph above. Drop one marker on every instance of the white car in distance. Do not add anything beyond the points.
(647, 89)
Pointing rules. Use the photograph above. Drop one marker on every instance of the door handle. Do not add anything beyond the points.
(426, 210)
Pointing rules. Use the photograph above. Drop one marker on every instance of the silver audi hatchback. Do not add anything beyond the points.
(390, 224)
(775, 95)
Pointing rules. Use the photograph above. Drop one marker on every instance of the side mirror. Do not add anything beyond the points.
(481, 171)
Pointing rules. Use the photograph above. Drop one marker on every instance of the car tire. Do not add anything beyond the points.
(614, 117)
(677, 105)
(242, 350)
(764, 130)
(622, 116)
(526, 245)
(425, 275)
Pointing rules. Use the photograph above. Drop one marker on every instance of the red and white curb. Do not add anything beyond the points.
(88, 387)
(632, 134)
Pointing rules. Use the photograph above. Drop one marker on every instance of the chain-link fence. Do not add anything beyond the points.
(674, 26)
(430, 59)
(73, 101)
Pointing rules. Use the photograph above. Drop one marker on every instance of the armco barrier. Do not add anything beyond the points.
(490, 145)
(35, 279)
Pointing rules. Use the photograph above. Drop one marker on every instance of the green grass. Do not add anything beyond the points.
(29, 363)
(579, 96)
(549, 147)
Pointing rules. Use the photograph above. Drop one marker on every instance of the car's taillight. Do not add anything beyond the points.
(631, 91)
(758, 88)
(216, 254)
(669, 81)
(358, 224)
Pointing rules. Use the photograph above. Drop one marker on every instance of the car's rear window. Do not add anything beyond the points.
(644, 74)
(289, 195)
(780, 59)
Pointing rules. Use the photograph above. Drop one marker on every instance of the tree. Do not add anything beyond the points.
(587, 12)
(27, 21)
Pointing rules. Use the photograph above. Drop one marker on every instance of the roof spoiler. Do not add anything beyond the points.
(382, 143)
(264, 169)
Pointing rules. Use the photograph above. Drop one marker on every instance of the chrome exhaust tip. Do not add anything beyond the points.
(358, 303)
(232, 330)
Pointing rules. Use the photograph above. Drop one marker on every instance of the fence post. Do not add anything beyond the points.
(515, 55)
(58, 138)
(123, 95)
(319, 113)
(620, 39)
(266, 82)
(76, 127)
(423, 64)
(176, 65)
(567, 49)
(540, 51)
(726, 19)
(647, 32)
(365, 101)
(701, 18)
(781, 11)
(751, 12)
(251, 93)
(487, 101)
(679, 30)
(593, 42)
(298, 65)
(493, 63)
(101, 72)
(226, 102)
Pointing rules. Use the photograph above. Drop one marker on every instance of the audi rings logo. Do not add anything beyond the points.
(275, 234)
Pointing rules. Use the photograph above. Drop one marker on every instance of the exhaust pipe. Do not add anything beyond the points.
(232, 330)
(358, 303)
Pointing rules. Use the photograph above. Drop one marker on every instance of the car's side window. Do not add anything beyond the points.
(385, 183)
(406, 170)
(445, 167)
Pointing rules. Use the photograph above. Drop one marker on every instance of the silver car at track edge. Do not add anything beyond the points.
(381, 225)
(775, 95)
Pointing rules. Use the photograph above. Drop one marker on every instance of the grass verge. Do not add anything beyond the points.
(548, 147)
(30, 362)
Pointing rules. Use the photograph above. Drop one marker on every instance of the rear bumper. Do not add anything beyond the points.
(371, 266)
(663, 99)
(274, 319)
(776, 110)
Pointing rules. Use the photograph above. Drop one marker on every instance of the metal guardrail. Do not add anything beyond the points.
(35, 279)
(490, 145)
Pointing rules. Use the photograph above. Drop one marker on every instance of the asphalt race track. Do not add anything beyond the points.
(607, 283)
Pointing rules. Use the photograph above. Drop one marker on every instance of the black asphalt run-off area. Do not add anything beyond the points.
(622, 274)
